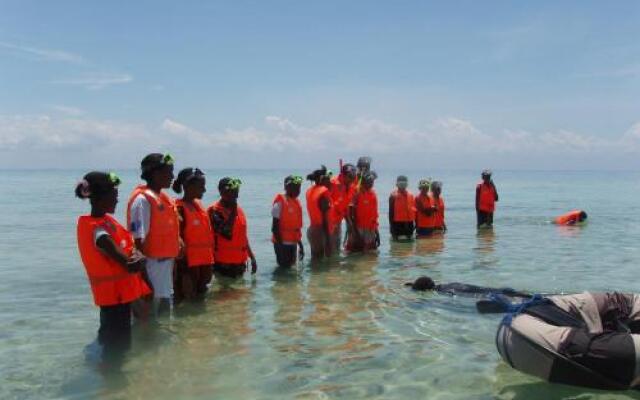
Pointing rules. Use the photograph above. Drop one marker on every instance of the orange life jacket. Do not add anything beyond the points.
(571, 217)
(314, 194)
(404, 206)
(438, 215)
(365, 203)
(163, 238)
(111, 283)
(290, 221)
(487, 201)
(196, 234)
(236, 249)
(341, 196)
(423, 220)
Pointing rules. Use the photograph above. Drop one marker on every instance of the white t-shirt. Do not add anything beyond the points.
(159, 270)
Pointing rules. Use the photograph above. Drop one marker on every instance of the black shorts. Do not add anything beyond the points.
(115, 329)
(403, 229)
(286, 254)
(484, 218)
(229, 270)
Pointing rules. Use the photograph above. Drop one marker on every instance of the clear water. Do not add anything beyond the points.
(347, 328)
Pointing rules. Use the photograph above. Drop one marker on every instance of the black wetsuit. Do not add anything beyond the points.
(457, 288)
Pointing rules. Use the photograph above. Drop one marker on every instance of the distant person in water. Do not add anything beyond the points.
(363, 216)
(486, 198)
(286, 226)
(231, 241)
(402, 210)
(572, 218)
(111, 260)
(194, 265)
(320, 232)
(362, 166)
(342, 189)
(425, 283)
(152, 218)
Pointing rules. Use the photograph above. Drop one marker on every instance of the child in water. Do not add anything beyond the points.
(287, 223)
(402, 211)
(110, 258)
(363, 216)
(194, 265)
(231, 242)
(153, 220)
(319, 204)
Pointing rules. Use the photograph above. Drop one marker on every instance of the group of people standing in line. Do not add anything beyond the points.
(173, 247)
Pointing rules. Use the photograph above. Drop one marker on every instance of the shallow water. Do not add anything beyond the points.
(346, 328)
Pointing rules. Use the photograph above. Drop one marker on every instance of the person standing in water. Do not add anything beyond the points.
(287, 223)
(402, 210)
(153, 220)
(342, 189)
(319, 204)
(437, 202)
(111, 260)
(363, 216)
(194, 266)
(425, 221)
(486, 198)
(231, 242)
(363, 166)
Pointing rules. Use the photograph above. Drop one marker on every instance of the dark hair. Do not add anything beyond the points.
(184, 177)
(96, 184)
(583, 216)
(316, 175)
(422, 283)
(348, 169)
(152, 162)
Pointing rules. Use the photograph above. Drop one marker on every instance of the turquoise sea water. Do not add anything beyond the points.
(346, 328)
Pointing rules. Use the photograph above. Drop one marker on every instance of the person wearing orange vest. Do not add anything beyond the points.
(571, 218)
(402, 211)
(231, 241)
(153, 220)
(342, 189)
(437, 202)
(194, 265)
(363, 216)
(319, 204)
(287, 223)
(486, 197)
(111, 261)
(425, 219)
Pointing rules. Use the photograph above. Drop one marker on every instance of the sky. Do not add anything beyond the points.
(291, 84)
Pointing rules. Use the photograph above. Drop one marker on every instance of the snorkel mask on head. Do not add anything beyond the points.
(114, 179)
(168, 159)
(233, 184)
(294, 180)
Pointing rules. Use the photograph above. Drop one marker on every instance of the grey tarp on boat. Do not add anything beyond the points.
(587, 339)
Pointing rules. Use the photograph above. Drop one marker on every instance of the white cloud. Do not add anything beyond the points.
(96, 81)
(280, 142)
(67, 110)
(45, 54)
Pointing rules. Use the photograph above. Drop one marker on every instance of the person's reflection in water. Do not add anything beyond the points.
(343, 308)
(485, 248)
(401, 249)
(287, 291)
(433, 244)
